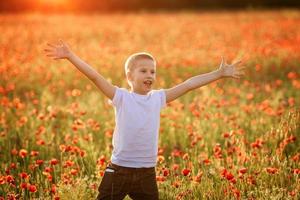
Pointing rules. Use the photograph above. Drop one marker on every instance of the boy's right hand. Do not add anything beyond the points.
(60, 51)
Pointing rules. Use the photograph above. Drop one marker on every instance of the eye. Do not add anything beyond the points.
(153, 72)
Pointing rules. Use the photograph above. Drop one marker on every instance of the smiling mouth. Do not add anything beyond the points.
(148, 83)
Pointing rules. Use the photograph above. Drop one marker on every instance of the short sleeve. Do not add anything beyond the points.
(162, 96)
(117, 99)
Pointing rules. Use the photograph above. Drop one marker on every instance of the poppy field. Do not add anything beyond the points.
(230, 139)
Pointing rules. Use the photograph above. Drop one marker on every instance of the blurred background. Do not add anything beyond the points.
(133, 5)
(56, 127)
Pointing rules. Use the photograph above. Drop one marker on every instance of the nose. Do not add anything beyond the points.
(150, 75)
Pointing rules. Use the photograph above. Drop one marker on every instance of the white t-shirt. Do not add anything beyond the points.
(137, 117)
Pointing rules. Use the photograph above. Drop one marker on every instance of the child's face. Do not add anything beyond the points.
(143, 76)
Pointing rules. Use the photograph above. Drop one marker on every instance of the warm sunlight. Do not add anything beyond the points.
(54, 2)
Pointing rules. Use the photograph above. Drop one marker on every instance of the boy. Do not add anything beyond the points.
(135, 139)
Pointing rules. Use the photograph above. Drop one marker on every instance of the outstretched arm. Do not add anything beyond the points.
(224, 70)
(62, 51)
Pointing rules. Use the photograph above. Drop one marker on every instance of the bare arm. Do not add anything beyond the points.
(62, 51)
(105, 87)
(225, 70)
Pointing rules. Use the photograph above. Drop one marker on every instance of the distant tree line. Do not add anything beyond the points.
(128, 5)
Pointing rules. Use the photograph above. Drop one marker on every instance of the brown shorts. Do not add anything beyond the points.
(118, 181)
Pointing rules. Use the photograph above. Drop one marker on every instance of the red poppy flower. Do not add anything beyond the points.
(175, 167)
(101, 160)
(296, 171)
(14, 151)
(13, 166)
(53, 189)
(53, 161)
(2, 180)
(24, 175)
(23, 186)
(39, 162)
(48, 169)
(32, 188)
(10, 179)
(271, 170)
(74, 172)
(68, 163)
(243, 170)
(185, 172)
(22, 153)
(228, 175)
(34, 153)
(166, 172)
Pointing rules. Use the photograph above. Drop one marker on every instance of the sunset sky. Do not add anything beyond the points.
(109, 5)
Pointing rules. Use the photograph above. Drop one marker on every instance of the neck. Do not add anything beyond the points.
(137, 92)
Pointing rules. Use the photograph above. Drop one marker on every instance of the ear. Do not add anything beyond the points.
(129, 76)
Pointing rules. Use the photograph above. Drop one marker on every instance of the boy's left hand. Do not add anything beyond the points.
(232, 70)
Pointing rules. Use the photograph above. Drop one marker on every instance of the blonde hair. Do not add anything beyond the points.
(129, 64)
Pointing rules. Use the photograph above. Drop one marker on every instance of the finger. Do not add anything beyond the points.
(48, 50)
(235, 76)
(224, 60)
(62, 42)
(242, 67)
(237, 62)
(241, 71)
(51, 45)
(221, 64)
(51, 55)
(240, 74)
